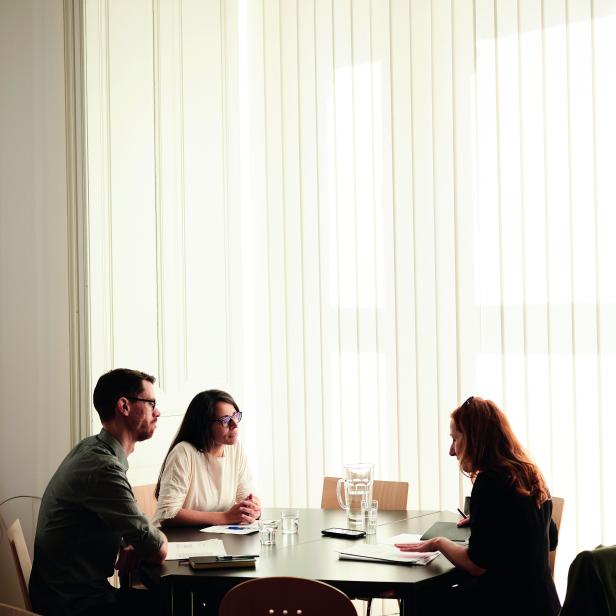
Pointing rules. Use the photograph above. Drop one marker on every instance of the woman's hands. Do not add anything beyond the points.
(463, 522)
(455, 553)
(245, 512)
(257, 505)
(419, 546)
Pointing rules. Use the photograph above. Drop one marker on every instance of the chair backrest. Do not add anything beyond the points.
(392, 495)
(144, 495)
(23, 564)
(285, 595)
(557, 514)
(10, 610)
(591, 584)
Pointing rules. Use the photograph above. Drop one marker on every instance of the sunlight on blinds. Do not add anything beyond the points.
(352, 215)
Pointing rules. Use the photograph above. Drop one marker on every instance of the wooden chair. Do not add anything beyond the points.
(557, 514)
(23, 564)
(392, 495)
(285, 595)
(144, 495)
(10, 610)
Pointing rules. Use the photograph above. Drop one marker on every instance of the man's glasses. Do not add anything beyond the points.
(152, 403)
(224, 421)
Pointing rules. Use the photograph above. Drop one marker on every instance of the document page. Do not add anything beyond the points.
(180, 550)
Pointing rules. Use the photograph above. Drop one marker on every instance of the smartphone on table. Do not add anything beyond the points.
(343, 533)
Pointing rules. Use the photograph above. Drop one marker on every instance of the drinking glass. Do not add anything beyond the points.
(267, 531)
(369, 512)
(290, 521)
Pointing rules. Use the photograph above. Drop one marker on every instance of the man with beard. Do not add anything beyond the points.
(89, 520)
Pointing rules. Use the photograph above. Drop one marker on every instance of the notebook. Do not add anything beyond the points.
(448, 530)
(383, 553)
(221, 562)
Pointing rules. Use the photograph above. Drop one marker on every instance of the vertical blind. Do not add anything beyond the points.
(353, 214)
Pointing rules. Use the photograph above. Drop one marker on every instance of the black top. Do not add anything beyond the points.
(510, 538)
(88, 508)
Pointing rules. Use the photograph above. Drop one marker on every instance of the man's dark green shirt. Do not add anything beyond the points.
(87, 510)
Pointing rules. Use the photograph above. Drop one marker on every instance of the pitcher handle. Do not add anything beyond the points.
(341, 502)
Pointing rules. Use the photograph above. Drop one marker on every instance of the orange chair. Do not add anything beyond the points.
(392, 495)
(144, 495)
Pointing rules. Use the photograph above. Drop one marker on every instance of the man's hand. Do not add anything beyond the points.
(128, 560)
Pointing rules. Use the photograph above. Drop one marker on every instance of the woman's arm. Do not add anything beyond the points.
(243, 512)
(191, 517)
(456, 554)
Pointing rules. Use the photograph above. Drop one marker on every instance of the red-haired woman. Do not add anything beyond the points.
(510, 520)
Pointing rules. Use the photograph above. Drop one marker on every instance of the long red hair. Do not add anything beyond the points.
(488, 443)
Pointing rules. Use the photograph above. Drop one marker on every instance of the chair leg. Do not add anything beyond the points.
(369, 607)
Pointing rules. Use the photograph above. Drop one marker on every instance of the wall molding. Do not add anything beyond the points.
(77, 220)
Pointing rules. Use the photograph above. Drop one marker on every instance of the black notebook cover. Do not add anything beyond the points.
(448, 530)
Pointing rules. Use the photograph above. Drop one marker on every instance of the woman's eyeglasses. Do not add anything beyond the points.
(224, 421)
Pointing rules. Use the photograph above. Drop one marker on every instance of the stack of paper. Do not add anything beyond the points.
(386, 554)
(180, 550)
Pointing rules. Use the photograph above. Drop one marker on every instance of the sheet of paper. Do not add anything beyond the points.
(185, 549)
(232, 529)
(387, 553)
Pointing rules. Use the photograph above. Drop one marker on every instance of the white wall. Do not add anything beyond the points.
(34, 323)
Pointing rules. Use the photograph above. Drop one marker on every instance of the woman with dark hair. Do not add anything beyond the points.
(205, 479)
(510, 520)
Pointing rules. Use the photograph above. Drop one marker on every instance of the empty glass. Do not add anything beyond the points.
(290, 521)
(267, 531)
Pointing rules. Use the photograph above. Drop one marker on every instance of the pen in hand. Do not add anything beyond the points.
(462, 513)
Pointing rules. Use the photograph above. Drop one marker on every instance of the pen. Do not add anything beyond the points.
(462, 513)
(235, 527)
(237, 557)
